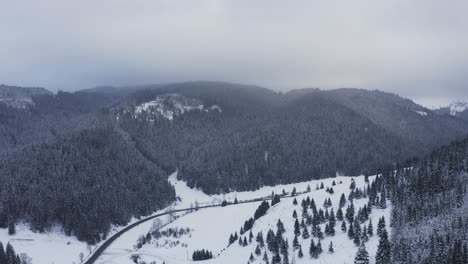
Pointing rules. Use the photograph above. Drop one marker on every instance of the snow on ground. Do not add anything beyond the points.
(52, 247)
(210, 228)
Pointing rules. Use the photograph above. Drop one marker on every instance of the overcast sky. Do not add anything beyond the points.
(418, 49)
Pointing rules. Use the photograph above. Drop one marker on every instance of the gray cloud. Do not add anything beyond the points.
(418, 49)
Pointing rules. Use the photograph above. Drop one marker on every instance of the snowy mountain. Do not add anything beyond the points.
(458, 107)
(168, 106)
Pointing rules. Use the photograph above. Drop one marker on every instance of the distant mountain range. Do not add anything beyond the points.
(219, 136)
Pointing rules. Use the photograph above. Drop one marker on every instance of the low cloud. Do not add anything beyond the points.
(418, 49)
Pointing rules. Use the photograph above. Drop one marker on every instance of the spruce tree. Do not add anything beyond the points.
(351, 231)
(305, 233)
(295, 201)
(339, 214)
(245, 243)
(313, 249)
(383, 255)
(370, 229)
(300, 254)
(297, 231)
(265, 258)
(280, 227)
(342, 201)
(258, 252)
(319, 247)
(330, 248)
(251, 257)
(364, 237)
(294, 215)
(3, 258)
(362, 256)
(296, 243)
(10, 254)
(260, 240)
(343, 226)
(380, 226)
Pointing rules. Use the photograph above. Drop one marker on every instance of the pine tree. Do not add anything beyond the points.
(351, 231)
(308, 188)
(362, 256)
(265, 258)
(313, 207)
(10, 254)
(244, 243)
(293, 193)
(321, 185)
(3, 258)
(352, 186)
(332, 218)
(296, 243)
(343, 226)
(364, 237)
(258, 252)
(330, 248)
(280, 227)
(319, 232)
(313, 249)
(11, 227)
(339, 214)
(370, 229)
(342, 201)
(297, 231)
(276, 258)
(295, 201)
(319, 247)
(251, 257)
(260, 240)
(383, 255)
(300, 254)
(294, 215)
(380, 226)
(305, 233)
(383, 200)
(250, 236)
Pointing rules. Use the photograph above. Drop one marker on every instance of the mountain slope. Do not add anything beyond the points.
(458, 109)
(220, 137)
(262, 137)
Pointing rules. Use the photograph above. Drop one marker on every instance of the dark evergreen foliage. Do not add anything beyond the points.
(201, 255)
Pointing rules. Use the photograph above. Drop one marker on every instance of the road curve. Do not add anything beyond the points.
(98, 252)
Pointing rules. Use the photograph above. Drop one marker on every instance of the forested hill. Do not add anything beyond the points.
(430, 207)
(107, 154)
(263, 137)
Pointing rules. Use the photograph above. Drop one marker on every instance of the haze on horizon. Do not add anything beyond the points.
(417, 49)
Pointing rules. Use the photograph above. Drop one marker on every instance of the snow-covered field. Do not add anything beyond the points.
(209, 229)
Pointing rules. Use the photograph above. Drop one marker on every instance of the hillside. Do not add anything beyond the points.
(173, 240)
(260, 136)
(220, 137)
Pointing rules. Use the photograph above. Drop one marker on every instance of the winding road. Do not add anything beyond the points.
(91, 259)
